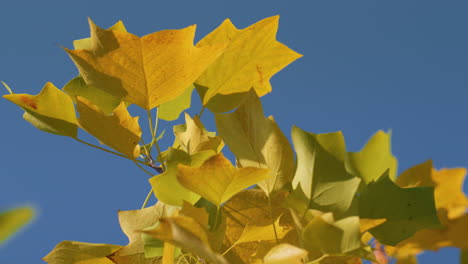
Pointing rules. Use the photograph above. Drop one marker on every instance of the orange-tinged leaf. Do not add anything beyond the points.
(285, 253)
(217, 180)
(73, 252)
(251, 58)
(146, 71)
(51, 110)
(119, 131)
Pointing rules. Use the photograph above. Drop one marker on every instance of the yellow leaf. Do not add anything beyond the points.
(217, 180)
(253, 206)
(193, 137)
(146, 71)
(119, 131)
(188, 234)
(257, 141)
(51, 110)
(87, 43)
(374, 159)
(285, 253)
(73, 252)
(105, 101)
(251, 58)
(366, 223)
(132, 222)
(255, 233)
(166, 187)
(12, 220)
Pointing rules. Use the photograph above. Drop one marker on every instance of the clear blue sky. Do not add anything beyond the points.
(367, 65)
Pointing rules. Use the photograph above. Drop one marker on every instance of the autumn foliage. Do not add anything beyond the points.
(309, 202)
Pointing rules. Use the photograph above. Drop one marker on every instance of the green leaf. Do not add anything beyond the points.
(105, 101)
(171, 110)
(374, 159)
(12, 220)
(332, 237)
(258, 142)
(407, 210)
(321, 171)
(51, 110)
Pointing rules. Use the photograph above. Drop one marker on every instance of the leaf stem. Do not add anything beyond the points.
(145, 170)
(272, 219)
(147, 198)
(110, 151)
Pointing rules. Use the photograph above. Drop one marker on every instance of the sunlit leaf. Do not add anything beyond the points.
(119, 131)
(193, 137)
(166, 186)
(73, 252)
(374, 159)
(146, 71)
(407, 210)
(12, 220)
(255, 233)
(251, 58)
(285, 253)
(171, 110)
(51, 110)
(257, 141)
(217, 180)
(321, 171)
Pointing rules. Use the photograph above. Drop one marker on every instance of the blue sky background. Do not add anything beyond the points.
(367, 65)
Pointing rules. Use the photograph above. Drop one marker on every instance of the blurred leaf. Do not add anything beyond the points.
(407, 210)
(251, 58)
(171, 110)
(258, 142)
(51, 110)
(146, 71)
(119, 131)
(217, 180)
(285, 253)
(374, 159)
(73, 252)
(12, 220)
(255, 233)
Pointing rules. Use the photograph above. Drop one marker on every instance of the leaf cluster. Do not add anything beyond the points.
(312, 201)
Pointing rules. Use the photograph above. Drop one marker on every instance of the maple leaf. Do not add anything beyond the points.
(146, 71)
(251, 58)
